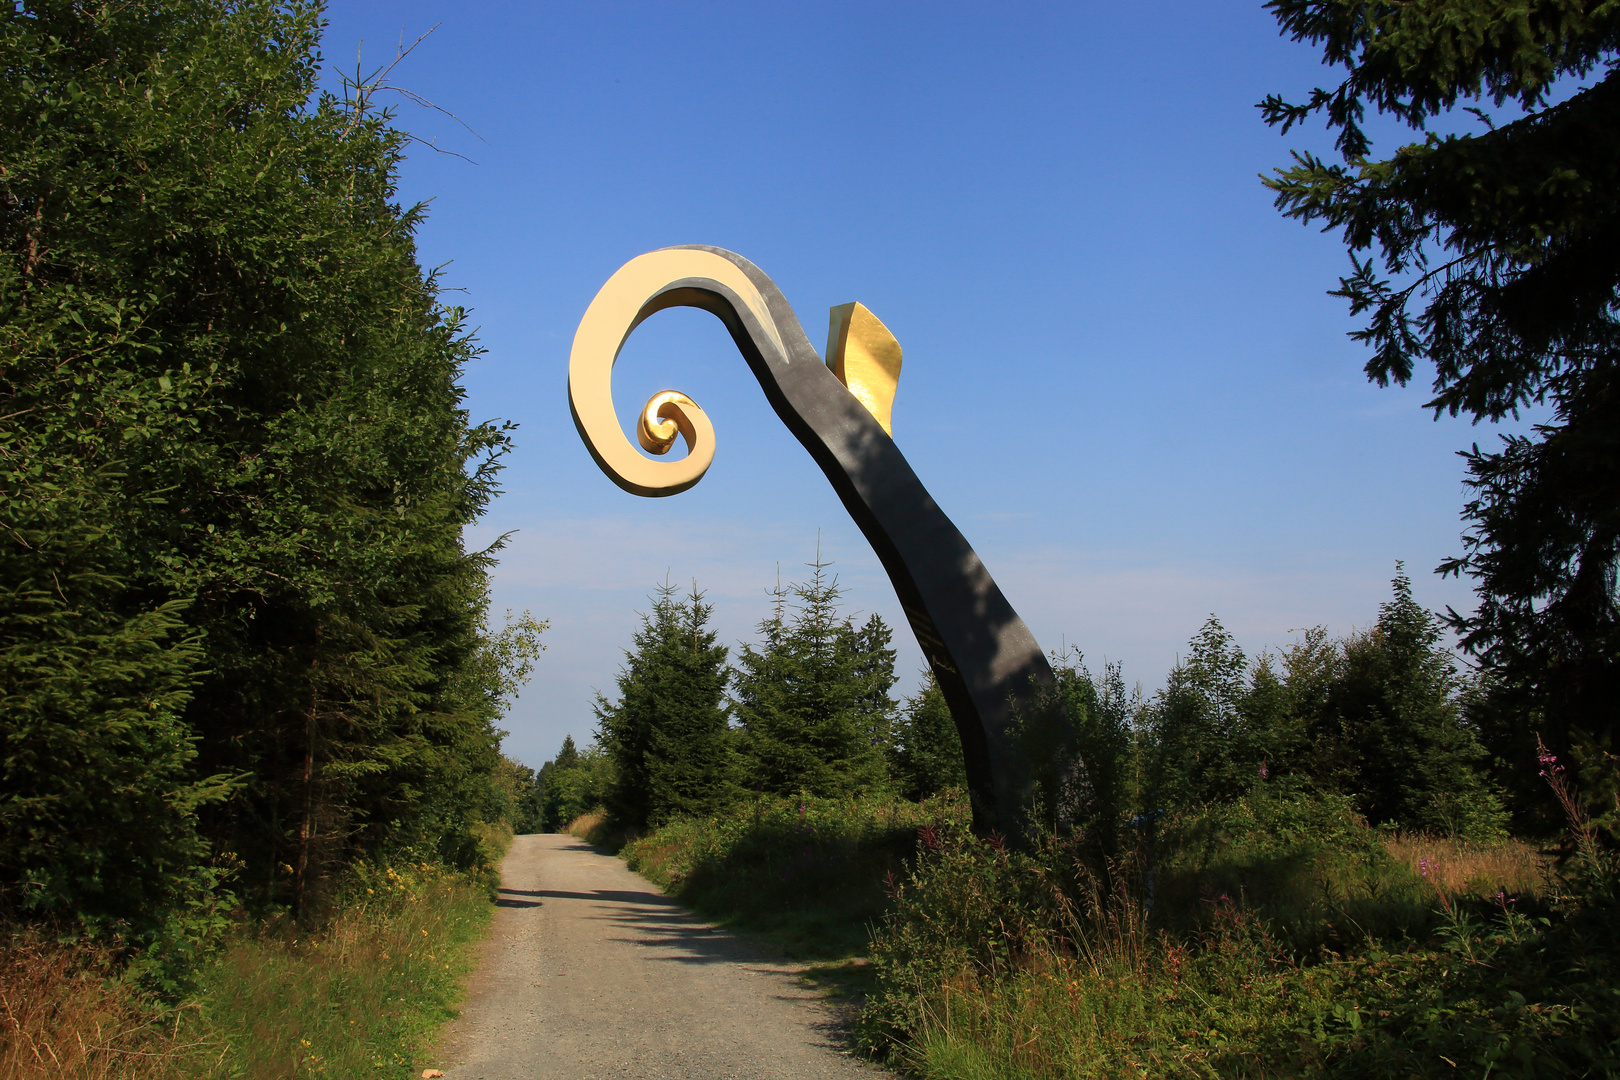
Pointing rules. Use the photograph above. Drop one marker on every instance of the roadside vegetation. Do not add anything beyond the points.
(251, 784)
(1301, 863)
(357, 991)
(809, 874)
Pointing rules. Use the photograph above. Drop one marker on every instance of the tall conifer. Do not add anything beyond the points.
(234, 472)
(667, 733)
(813, 698)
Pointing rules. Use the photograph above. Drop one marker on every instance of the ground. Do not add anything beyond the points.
(591, 973)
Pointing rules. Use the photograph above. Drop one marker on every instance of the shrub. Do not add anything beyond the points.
(809, 872)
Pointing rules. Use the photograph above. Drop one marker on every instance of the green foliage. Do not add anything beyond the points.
(813, 698)
(572, 785)
(925, 752)
(1400, 737)
(518, 786)
(360, 993)
(234, 476)
(1279, 939)
(667, 734)
(809, 873)
(1495, 262)
(1077, 736)
(1198, 725)
(1378, 717)
(97, 798)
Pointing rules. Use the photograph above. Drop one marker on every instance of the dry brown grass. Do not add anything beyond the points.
(62, 1018)
(586, 824)
(1511, 866)
(595, 828)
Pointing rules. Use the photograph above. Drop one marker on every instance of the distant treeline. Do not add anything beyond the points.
(241, 641)
(1385, 717)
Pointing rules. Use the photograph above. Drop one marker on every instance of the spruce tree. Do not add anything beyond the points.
(234, 474)
(667, 733)
(1398, 709)
(1196, 724)
(812, 699)
(873, 669)
(1488, 257)
(925, 752)
(572, 784)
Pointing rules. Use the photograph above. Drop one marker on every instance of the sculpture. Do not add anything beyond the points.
(985, 660)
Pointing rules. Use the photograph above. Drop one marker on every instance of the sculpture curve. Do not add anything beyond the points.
(982, 655)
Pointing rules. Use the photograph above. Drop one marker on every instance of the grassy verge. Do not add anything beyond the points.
(598, 829)
(1280, 940)
(807, 874)
(64, 1013)
(361, 995)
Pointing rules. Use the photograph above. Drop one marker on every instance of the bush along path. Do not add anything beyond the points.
(591, 972)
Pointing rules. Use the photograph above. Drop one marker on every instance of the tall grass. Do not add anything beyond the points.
(599, 829)
(361, 994)
(1277, 938)
(807, 873)
(1473, 869)
(64, 1014)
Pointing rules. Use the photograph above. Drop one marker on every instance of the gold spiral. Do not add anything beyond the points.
(634, 292)
(662, 418)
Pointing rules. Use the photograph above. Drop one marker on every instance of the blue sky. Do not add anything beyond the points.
(1123, 379)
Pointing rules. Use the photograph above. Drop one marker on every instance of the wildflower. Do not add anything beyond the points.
(1263, 772)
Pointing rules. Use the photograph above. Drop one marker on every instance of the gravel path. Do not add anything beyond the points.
(591, 973)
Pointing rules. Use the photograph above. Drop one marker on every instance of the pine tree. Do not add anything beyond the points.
(811, 698)
(925, 752)
(235, 469)
(1196, 724)
(872, 664)
(667, 733)
(572, 784)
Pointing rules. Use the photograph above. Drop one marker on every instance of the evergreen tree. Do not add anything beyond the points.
(667, 734)
(1077, 734)
(925, 753)
(812, 697)
(1496, 263)
(234, 474)
(572, 784)
(1196, 725)
(1412, 759)
(872, 666)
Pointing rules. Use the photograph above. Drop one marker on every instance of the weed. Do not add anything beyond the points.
(1285, 939)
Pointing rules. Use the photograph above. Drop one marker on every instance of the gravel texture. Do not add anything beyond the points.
(591, 973)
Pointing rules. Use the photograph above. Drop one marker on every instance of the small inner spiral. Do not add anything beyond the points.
(662, 419)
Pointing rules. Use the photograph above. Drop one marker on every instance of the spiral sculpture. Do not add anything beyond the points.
(985, 660)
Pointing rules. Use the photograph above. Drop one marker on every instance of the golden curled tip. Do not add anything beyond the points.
(665, 415)
(635, 291)
(866, 359)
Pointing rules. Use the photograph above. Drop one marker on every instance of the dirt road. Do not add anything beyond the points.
(591, 973)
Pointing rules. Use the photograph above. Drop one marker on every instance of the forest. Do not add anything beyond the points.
(245, 654)
(1385, 719)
